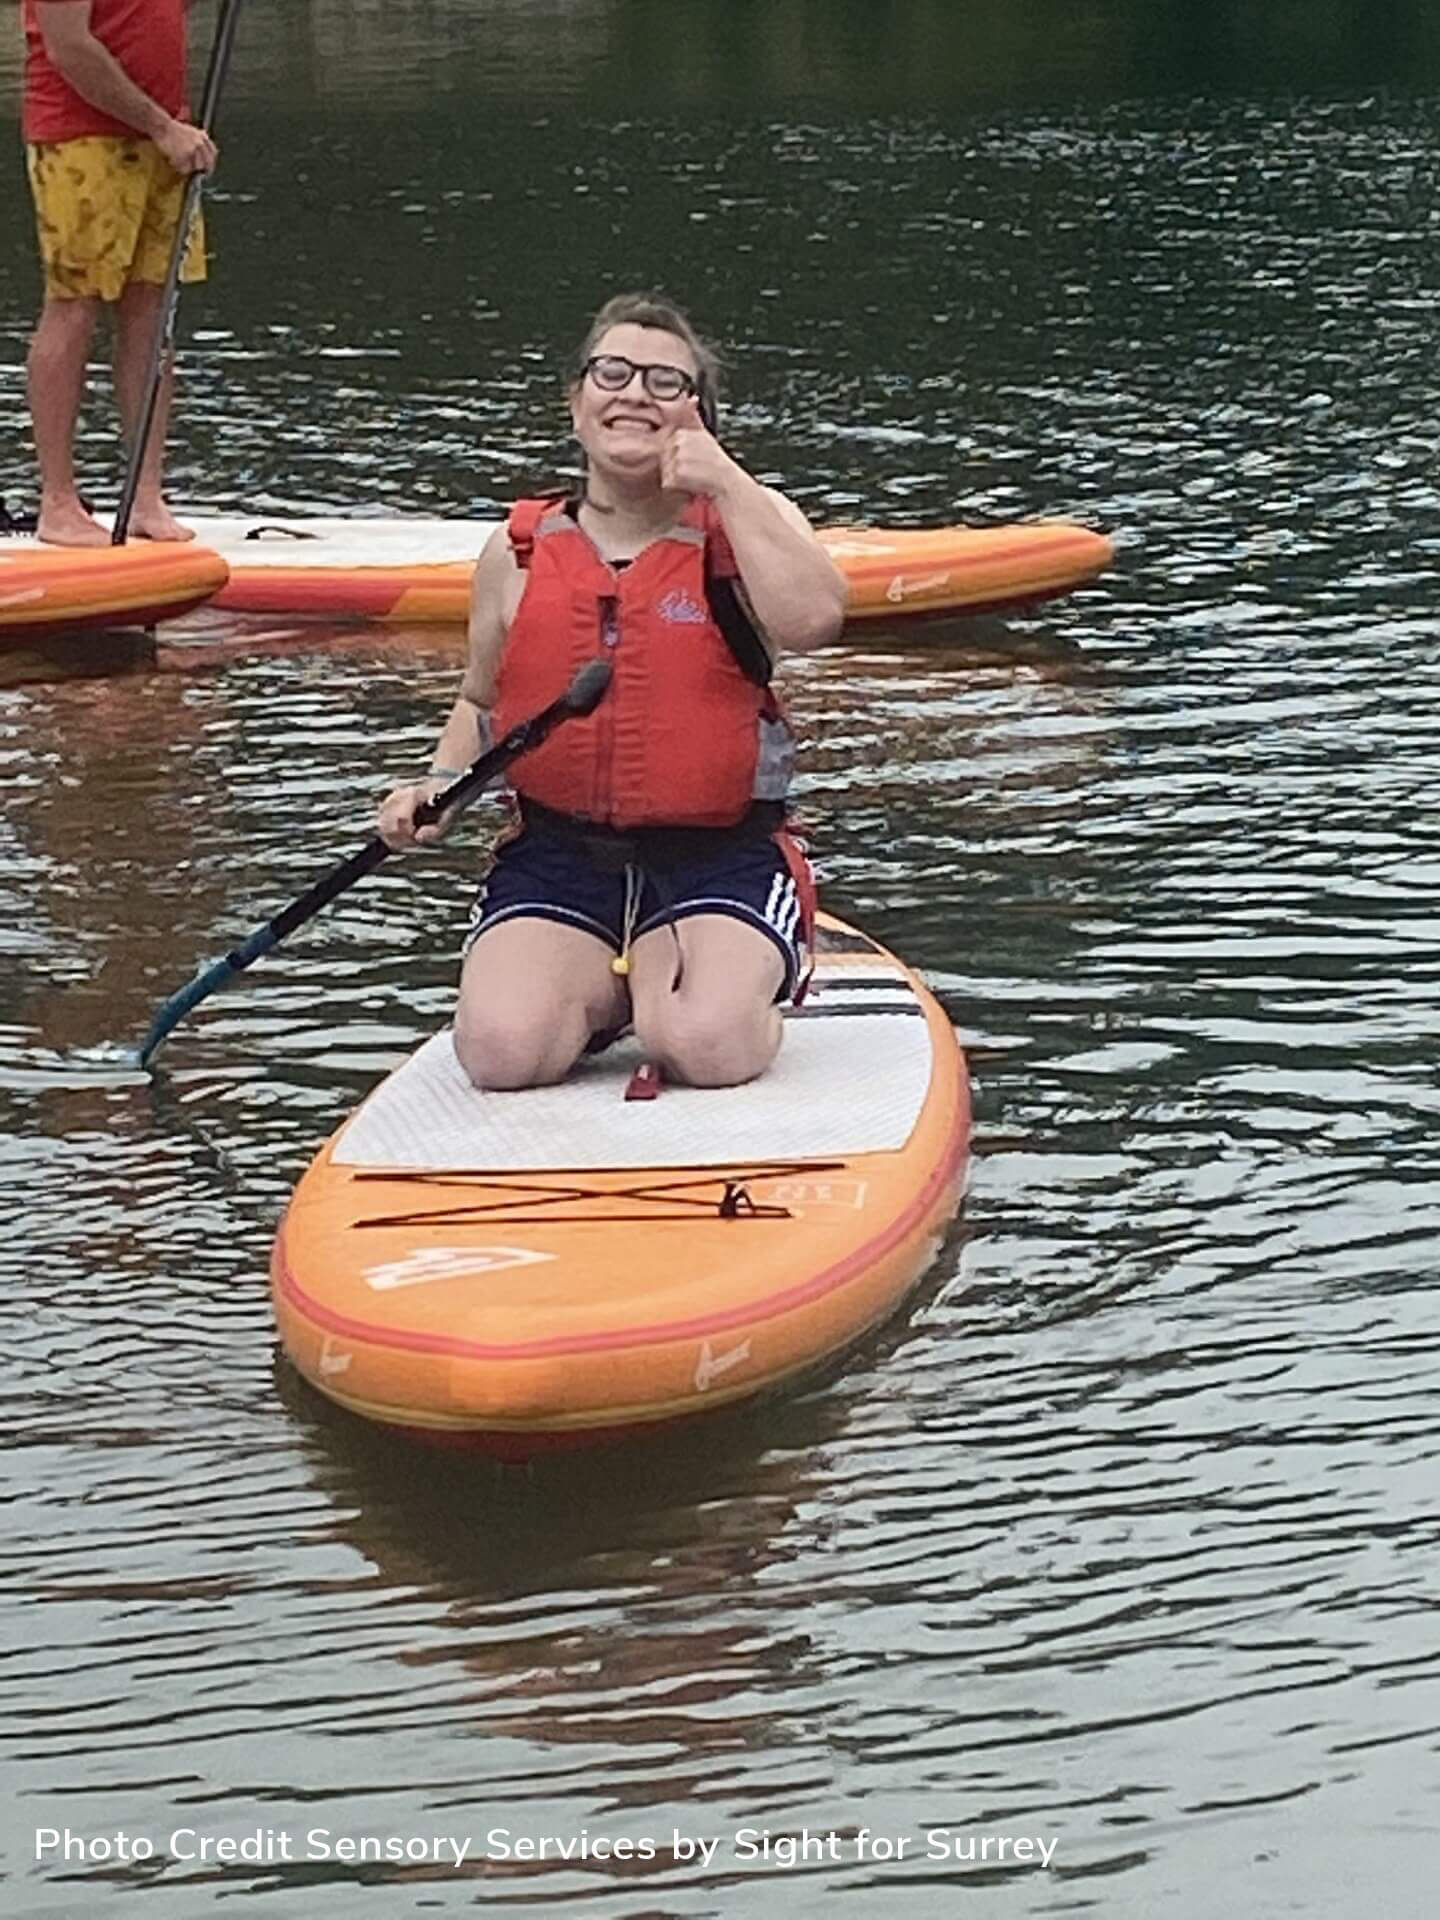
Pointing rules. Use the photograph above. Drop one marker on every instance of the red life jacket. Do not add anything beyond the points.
(683, 738)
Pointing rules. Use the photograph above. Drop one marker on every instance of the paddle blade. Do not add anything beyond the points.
(179, 1004)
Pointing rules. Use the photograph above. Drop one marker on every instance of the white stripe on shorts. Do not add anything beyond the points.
(782, 907)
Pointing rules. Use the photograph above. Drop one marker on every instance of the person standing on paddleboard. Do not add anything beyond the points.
(108, 150)
(649, 879)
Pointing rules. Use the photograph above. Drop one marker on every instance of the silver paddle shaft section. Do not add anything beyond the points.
(582, 696)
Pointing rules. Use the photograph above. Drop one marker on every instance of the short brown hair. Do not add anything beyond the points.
(654, 310)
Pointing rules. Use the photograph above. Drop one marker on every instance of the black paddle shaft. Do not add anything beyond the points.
(170, 294)
(521, 739)
(582, 696)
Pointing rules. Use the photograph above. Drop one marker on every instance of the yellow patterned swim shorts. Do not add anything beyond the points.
(106, 208)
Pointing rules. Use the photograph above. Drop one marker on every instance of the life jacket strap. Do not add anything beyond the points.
(524, 521)
(727, 609)
(742, 636)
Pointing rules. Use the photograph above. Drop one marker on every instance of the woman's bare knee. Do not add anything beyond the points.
(501, 1056)
(712, 1046)
(530, 994)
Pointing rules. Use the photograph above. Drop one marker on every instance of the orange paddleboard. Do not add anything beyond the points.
(418, 571)
(520, 1271)
(48, 590)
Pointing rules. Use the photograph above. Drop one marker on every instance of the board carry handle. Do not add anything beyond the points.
(582, 696)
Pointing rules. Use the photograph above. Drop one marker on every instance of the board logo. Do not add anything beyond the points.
(803, 1196)
(711, 1365)
(448, 1263)
(902, 589)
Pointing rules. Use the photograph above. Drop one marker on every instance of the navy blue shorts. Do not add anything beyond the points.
(548, 876)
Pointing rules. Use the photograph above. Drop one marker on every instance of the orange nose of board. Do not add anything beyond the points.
(51, 590)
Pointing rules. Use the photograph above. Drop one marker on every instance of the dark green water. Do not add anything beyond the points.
(1123, 1537)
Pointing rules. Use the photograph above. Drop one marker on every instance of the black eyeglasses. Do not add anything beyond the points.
(612, 373)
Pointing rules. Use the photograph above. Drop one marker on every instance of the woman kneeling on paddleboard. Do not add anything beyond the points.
(649, 879)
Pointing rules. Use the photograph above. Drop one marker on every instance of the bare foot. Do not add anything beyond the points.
(155, 521)
(66, 524)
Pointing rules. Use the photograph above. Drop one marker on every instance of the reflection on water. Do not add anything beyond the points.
(437, 55)
(1116, 1538)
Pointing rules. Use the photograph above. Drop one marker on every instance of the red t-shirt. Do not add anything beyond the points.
(147, 37)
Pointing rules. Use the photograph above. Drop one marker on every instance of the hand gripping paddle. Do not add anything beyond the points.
(582, 696)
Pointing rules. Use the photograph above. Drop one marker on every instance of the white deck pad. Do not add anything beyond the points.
(348, 542)
(851, 1078)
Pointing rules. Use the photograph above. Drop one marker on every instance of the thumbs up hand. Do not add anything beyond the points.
(692, 460)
